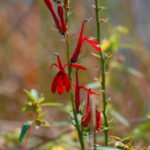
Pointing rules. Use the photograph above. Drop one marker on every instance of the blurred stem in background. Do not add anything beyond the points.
(102, 60)
(66, 2)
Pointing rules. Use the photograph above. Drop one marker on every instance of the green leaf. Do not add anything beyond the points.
(86, 131)
(52, 104)
(24, 130)
(31, 97)
(62, 123)
(34, 93)
(93, 85)
(115, 138)
(105, 148)
(134, 72)
(142, 130)
(118, 116)
(79, 117)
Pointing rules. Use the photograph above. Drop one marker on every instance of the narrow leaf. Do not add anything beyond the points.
(105, 148)
(24, 130)
(34, 93)
(31, 97)
(93, 85)
(52, 104)
(118, 116)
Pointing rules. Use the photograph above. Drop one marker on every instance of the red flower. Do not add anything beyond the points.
(60, 26)
(61, 82)
(81, 40)
(86, 118)
(61, 15)
(51, 8)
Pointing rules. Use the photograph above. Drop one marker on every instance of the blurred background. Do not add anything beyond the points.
(28, 39)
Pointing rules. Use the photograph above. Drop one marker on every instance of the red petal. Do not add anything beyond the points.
(54, 65)
(59, 62)
(93, 43)
(67, 83)
(86, 119)
(86, 89)
(55, 82)
(78, 49)
(77, 93)
(61, 15)
(98, 120)
(61, 88)
(78, 66)
(51, 8)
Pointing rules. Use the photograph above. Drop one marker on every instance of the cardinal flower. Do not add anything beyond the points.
(87, 117)
(61, 15)
(61, 82)
(81, 40)
(61, 26)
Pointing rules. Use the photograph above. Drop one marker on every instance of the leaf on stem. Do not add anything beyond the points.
(52, 104)
(24, 130)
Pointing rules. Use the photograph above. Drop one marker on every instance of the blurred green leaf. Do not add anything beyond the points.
(34, 93)
(31, 97)
(24, 130)
(143, 130)
(133, 71)
(86, 131)
(105, 148)
(62, 123)
(118, 116)
(51, 104)
(93, 85)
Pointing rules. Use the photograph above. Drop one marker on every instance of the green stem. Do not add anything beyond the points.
(103, 82)
(72, 97)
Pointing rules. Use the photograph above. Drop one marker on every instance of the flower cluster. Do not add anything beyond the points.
(61, 81)
(61, 25)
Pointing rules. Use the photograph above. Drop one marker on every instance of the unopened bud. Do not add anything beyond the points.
(104, 20)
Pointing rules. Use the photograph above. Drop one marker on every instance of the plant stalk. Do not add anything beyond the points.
(102, 60)
(72, 97)
(71, 91)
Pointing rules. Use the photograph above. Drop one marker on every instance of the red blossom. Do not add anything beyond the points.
(87, 116)
(61, 82)
(61, 26)
(51, 8)
(81, 40)
(61, 15)
(78, 49)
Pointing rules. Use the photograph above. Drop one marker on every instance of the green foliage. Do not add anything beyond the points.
(26, 126)
(117, 115)
(34, 105)
(79, 117)
(123, 144)
(142, 131)
(51, 104)
(86, 131)
(105, 148)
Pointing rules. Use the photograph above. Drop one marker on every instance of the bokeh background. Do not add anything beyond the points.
(28, 39)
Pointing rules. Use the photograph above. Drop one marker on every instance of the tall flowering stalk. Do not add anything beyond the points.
(63, 81)
(102, 61)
